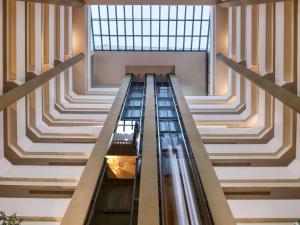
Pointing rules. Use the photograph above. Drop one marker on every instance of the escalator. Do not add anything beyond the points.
(182, 198)
(115, 201)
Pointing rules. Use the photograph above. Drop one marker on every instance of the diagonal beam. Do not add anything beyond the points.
(231, 3)
(19, 92)
(281, 93)
(78, 3)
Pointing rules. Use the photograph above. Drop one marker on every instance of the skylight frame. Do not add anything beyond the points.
(117, 30)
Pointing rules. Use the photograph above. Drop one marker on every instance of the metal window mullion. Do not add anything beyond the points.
(150, 27)
(176, 28)
(117, 24)
(159, 24)
(92, 24)
(108, 20)
(201, 21)
(100, 27)
(125, 28)
(142, 31)
(132, 20)
(168, 48)
(193, 21)
(208, 36)
(184, 28)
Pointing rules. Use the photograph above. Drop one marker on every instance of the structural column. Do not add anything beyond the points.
(148, 200)
(79, 206)
(218, 205)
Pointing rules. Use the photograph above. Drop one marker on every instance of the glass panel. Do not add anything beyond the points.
(129, 26)
(105, 40)
(146, 12)
(114, 43)
(164, 12)
(155, 12)
(97, 40)
(164, 28)
(137, 27)
(111, 12)
(104, 27)
(198, 10)
(96, 27)
(204, 30)
(155, 27)
(146, 27)
(172, 28)
(103, 12)
(120, 12)
(112, 28)
(95, 14)
(174, 24)
(206, 12)
(189, 12)
(121, 30)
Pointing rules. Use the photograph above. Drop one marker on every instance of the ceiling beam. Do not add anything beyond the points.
(282, 94)
(19, 92)
(77, 3)
(231, 3)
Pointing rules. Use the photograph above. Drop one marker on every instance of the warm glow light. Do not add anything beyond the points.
(122, 167)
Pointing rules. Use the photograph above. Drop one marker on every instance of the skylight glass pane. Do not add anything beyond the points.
(146, 27)
(172, 43)
(113, 27)
(104, 27)
(129, 43)
(164, 12)
(195, 44)
(146, 12)
(122, 43)
(172, 28)
(155, 27)
(114, 43)
(96, 27)
(97, 40)
(179, 43)
(187, 43)
(173, 13)
(103, 12)
(163, 43)
(196, 28)
(203, 43)
(146, 43)
(155, 12)
(120, 12)
(204, 30)
(189, 12)
(164, 28)
(150, 27)
(198, 12)
(188, 28)
(95, 14)
(137, 12)
(128, 11)
(129, 25)
(137, 27)
(180, 27)
(105, 42)
(206, 11)
(181, 12)
(121, 25)
(111, 12)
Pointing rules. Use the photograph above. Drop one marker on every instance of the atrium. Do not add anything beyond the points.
(178, 112)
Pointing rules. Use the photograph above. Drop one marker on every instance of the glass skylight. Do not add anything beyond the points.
(150, 27)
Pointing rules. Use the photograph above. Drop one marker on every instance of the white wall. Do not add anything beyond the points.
(190, 67)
